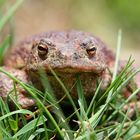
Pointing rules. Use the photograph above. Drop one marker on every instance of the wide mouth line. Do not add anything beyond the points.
(70, 68)
(76, 69)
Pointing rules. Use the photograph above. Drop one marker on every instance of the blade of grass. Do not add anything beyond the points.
(13, 125)
(95, 119)
(66, 92)
(128, 64)
(9, 13)
(120, 127)
(118, 78)
(129, 98)
(116, 60)
(113, 113)
(117, 54)
(93, 99)
(3, 107)
(68, 95)
(80, 92)
(37, 132)
(122, 86)
(21, 111)
(83, 113)
(111, 133)
(3, 47)
(132, 129)
(89, 136)
(53, 100)
(4, 132)
(31, 125)
(38, 101)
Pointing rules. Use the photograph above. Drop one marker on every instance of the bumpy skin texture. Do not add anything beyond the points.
(8, 87)
(68, 53)
(68, 56)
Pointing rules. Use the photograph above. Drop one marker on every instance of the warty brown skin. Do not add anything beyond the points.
(68, 49)
(68, 53)
(7, 85)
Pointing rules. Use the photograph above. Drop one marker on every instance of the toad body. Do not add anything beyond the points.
(70, 54)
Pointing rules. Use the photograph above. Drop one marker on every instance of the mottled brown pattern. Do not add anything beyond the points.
(7, 87)
(67, 55)
(67, 45)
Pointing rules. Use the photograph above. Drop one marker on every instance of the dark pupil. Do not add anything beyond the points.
(42, 48)
(92, 49)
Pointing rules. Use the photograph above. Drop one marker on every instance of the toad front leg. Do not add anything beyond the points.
(8, 87)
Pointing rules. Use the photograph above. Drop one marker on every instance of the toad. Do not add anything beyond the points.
(70, 54)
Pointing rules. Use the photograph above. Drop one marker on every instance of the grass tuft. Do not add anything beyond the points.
(9, 13)
(101, 118)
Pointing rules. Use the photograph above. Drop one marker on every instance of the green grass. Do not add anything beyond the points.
(7, 16)
(101, 119)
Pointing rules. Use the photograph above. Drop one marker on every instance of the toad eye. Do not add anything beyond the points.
(42, 49)
(91, 50)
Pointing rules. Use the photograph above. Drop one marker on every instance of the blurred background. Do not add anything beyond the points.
(101, 17)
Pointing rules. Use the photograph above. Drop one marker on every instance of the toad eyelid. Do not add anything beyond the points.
(87, 44)
(46, 42)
